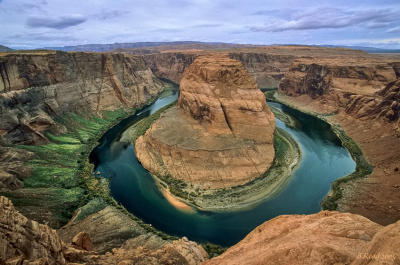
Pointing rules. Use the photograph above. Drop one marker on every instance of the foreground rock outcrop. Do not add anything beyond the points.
(23, 241)
(324, 238)
(219, 135)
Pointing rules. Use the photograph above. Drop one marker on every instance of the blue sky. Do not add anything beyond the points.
(40, 23)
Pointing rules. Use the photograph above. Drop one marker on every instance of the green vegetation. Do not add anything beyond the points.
(213, 250)
(287, 153)
(269, 93)
(144, 124)
(57, 167)
(93, 206)
(62, 178)
(363, 168)
(169, 88)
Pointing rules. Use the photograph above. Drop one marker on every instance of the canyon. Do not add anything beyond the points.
(352, 90)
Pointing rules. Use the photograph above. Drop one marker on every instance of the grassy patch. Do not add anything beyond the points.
(269, 93)
(57, 167)
(144, 124)
(213, 250)
(93, 206)
(363, 168)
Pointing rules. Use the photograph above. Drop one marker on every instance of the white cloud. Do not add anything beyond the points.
(331, 18)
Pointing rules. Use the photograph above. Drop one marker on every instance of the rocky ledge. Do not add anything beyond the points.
(24, 241)
(219, 135)
(323, 238)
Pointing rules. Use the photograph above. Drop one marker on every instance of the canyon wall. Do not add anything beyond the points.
(267, 64)
(365, 89)
(39, 91)
(36, 87)
(267, 69)
(170, 66)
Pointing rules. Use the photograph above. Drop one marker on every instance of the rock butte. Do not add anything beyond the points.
(219, 135)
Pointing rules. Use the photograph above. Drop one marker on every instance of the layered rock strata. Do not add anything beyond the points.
(266, 64)
(36, 87)
(219, 135)
(23, 241)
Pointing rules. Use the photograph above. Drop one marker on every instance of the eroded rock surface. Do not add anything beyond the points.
(323, 238)
(36, 87)
(23, 241)
(220, 134)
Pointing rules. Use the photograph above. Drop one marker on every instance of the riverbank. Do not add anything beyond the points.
(61, 173)
(375, 195)
(363, 168)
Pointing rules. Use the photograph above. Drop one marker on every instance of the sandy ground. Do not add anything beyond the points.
(177, 203)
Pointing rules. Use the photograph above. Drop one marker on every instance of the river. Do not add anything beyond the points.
(323, 161)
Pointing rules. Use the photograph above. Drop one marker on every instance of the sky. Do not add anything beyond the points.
(26, 24)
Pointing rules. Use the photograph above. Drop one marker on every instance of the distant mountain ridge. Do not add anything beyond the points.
(361, 48)
(191, 44)
(113, 46)
(5, 49)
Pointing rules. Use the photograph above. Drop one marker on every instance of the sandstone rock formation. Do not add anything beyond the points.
(23, 241)
(323, 238)
(385, 104)
(12, 168)
(83, 241)
(336, 76)
(221, 132)
(169, 65)
(36, 87)
(266, 64)
(108, 228)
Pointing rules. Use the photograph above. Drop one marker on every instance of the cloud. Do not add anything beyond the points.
(206, 25)
(55, 23)
(394, 30)
(330, 18)
(111, 14)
